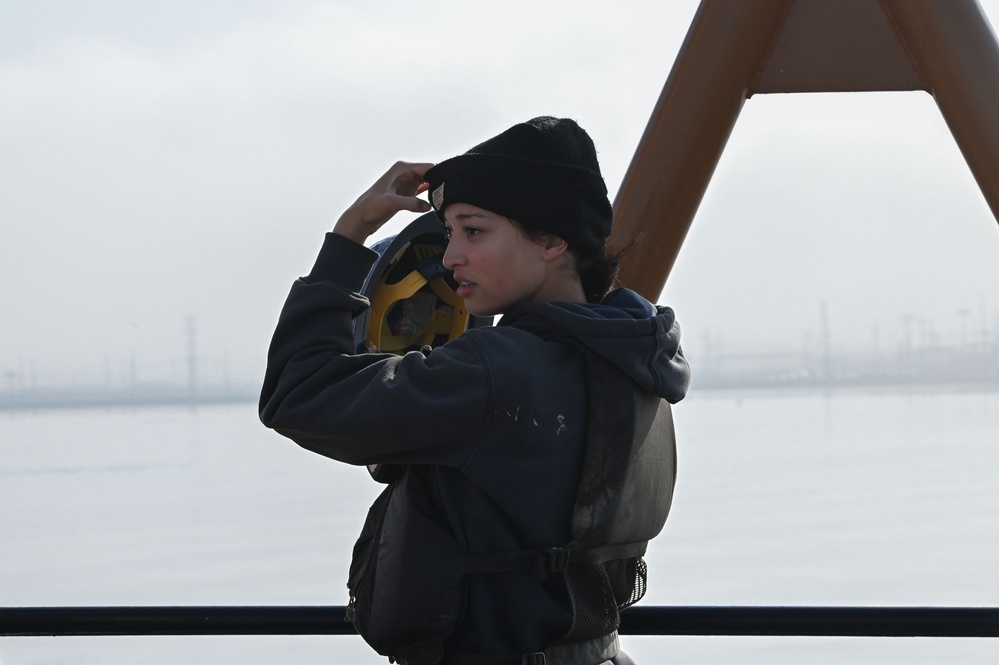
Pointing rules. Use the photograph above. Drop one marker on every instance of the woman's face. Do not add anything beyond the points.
(494, 263)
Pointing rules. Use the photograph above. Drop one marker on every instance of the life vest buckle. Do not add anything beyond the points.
(556, 559)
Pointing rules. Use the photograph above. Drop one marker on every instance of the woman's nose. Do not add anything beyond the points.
(451, 255)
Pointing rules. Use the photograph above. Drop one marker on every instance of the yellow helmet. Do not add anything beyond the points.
(413, 302)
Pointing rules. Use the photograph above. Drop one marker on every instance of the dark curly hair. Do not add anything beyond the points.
(597, 268)
(597, 271)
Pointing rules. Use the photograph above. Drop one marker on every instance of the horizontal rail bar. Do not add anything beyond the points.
(680, 620)
(190, 620)
(813, 621)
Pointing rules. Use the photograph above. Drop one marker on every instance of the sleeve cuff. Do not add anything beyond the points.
(343, 261)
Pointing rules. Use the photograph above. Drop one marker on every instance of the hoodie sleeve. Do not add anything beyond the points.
(371, 407)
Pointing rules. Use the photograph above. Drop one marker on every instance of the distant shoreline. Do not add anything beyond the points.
(104, 398)
(83, 398)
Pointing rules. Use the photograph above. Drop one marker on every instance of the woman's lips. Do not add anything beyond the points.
(465, 288)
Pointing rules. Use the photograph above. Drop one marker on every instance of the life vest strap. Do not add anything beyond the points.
(548, 560)
(597, 650)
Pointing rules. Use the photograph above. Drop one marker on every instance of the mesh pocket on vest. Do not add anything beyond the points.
(595, 609)
(628, 578)
(600, 592)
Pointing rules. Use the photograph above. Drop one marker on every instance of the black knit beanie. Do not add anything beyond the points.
(542, 174)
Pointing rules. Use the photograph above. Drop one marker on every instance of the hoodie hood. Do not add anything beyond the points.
(637, 337)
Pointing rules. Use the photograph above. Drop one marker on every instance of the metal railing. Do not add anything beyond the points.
(680, 620)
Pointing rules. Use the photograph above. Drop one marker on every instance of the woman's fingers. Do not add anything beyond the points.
(398, 189)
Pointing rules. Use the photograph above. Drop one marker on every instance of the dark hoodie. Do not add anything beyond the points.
(492, 427)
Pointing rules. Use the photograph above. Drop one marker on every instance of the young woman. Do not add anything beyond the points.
(536, 457)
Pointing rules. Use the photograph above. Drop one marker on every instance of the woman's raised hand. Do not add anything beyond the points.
(397, 190)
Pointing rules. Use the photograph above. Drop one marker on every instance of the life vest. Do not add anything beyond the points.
(625, 491)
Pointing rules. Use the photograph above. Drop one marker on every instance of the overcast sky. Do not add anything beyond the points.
(163, 161)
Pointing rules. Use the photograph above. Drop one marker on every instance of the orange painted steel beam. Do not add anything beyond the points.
(841, 46)
(736, 49)
(687, 133)
(954, 49)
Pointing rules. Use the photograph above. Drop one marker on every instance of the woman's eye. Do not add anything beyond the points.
(472, 231)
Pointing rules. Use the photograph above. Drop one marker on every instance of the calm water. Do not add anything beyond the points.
(796, 499)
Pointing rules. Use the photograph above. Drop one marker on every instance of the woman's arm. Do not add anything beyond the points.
(366, 408)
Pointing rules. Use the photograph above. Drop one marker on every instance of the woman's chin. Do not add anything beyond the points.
(480, 309)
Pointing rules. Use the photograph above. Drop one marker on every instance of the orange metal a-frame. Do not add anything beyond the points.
(738, 48)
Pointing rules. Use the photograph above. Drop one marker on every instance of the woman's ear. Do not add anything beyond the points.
(554, 247)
